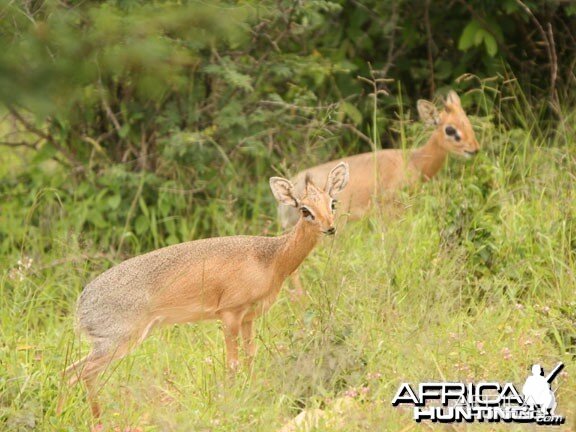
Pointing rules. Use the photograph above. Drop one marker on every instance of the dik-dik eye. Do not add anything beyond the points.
(333, 205)
(450, 131)
(307, 214)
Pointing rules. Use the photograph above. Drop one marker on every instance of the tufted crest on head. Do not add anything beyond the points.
(312, 192)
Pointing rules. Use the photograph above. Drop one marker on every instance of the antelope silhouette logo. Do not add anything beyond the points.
(537, 390)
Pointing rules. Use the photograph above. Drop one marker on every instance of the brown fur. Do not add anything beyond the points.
(234, 279)
(379, 175)
(382, 173)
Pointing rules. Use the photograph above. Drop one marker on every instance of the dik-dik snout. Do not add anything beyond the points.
(453, 126)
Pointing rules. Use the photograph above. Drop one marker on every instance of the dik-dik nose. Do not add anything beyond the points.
(330, 231)
(472, 152)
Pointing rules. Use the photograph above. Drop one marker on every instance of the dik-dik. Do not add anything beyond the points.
(233, 279)
(378, 175)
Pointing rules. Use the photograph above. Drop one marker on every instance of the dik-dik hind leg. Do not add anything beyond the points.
(102, 355)
(298, 290)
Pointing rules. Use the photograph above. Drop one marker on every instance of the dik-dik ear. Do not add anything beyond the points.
(428, 112)
(283, 191)
(452, 98)
(337, 179)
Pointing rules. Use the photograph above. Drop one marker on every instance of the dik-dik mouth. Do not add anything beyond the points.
(470, 154)
(330, 231)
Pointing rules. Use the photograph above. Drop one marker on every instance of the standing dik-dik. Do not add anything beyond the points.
(234, 279)
(377, 175)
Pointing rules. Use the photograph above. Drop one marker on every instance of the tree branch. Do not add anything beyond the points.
(548, 39)
(20, 144)
(45, 136)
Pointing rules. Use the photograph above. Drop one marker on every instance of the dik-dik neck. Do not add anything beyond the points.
(429, 158)
(297, 245)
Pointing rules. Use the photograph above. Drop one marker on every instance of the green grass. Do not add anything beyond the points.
(475, 280)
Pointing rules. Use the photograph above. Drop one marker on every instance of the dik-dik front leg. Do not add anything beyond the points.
(231, 321)
(248, 339)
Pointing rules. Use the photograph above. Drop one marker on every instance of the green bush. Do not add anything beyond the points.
(158, 111)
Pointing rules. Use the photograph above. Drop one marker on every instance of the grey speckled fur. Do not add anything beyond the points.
(110, 303)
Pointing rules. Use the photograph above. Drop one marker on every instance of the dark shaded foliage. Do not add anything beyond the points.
(160, 110)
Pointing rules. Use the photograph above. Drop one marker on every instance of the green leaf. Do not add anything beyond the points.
(468, 35)
(239, 80)
(165, 207)
(480, 36)
(352, 112)
(114, 201)
(172, 239)
(491, 45)
(143, 207)
(95, 217)
(141, 224)
(124, 130)
(228, 73)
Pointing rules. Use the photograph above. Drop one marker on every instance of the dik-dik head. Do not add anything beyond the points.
(317, 206)
(453, 125)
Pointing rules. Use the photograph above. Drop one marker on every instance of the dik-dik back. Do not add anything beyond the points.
(378, 175)
(176, 284)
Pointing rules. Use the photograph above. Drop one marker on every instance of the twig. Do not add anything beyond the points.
(393, 55)
(548, 40)
(429, 48)
(553, 65)
(96, 144)
(21, 144)
(131, 211)
(29, 126)
(358, 133)
(46, 136)
(111, 115)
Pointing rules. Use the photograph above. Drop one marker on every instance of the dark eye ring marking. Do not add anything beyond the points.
(333, 205)
(450, 131)
(306, 213)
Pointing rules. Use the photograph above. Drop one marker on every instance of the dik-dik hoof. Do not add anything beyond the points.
(233, 366)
